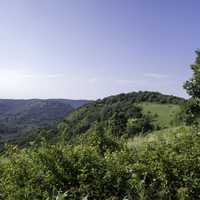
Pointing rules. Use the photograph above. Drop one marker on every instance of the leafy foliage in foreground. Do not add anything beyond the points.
(158, 166)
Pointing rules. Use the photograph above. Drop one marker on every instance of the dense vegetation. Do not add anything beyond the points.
(163, 165)
(102, 152)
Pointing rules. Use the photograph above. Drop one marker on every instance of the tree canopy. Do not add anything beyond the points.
(192, 87)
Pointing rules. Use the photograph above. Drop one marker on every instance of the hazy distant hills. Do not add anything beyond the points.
(20, 116)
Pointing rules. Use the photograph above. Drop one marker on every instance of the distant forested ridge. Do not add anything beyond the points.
(21, 116)
(146, 96)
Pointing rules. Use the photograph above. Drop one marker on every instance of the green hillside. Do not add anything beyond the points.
(166, 135)
(124, 114)
(165, 113)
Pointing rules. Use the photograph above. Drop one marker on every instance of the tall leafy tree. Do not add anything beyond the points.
(192, 87)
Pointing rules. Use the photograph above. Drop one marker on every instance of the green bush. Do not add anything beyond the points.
(163, 165)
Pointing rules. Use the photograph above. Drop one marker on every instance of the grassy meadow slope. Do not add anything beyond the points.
(165, 113)
(166, 135)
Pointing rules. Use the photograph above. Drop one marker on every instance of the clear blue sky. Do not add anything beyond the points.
(95, 48)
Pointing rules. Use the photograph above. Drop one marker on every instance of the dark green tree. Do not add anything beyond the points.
(104, 140)
(192, 87)
(118, 124)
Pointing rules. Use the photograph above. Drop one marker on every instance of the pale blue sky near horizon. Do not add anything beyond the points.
(89, 49)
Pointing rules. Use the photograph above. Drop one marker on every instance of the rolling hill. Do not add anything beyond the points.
(117, 112)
